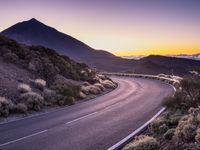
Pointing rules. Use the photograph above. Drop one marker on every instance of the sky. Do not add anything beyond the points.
(122, 27)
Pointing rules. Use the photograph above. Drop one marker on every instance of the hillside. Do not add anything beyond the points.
(33, 77)
(33, 32)
(156, 64)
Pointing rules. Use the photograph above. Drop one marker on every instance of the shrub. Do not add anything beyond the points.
(40, 83)
(108, 84)
(186, 129)
(10, 57)
(50, 96)
(82, 95)
(66, 90)
(65, 100)
(175, 101)
(163, 128)
(20, 108)
(187, 96)
(5, 106)
(157, 125)
(66, 94)
(71, 100)
(197, 137)
(23, 88)
(169, 134)
(99, 86)
(32, 100)
(143, 142)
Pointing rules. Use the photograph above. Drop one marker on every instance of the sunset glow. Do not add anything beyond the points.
(139, 27)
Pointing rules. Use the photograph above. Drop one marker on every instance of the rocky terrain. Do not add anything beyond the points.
(33, 77)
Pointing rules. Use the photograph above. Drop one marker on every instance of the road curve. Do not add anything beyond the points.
(92, 125)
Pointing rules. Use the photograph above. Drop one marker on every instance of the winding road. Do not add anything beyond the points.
(97, 124)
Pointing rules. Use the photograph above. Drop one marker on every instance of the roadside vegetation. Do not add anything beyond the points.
(35, 77)
(178, 128)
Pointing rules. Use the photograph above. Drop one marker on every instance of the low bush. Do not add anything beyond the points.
(188, 125)
(66, 90)
(66, 95)
(163, 128)
(24, 88)
(100, 86)
(20, 108)
(32, 100)
(65, 100)
(159, 125)
(174, 102)
(10, 57)
(5, 106)
(169, 134)
(187, 96)
(82, 95)
(197, 137)
(40, 83)
(108, 84)
(143, 142)
(50, 96)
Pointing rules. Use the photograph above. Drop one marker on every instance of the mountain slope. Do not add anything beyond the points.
(155, 64)
(33, 32)
(33, 77)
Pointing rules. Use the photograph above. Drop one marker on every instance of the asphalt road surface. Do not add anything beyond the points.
(92, 125)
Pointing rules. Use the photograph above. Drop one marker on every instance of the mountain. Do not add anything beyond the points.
(33, 32)
(155, 64)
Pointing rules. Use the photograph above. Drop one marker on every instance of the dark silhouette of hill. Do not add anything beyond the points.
(155, 64)
(33, 32)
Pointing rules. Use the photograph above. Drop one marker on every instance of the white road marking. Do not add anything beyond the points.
(130, 136)
(111, 148)
(25, 137)
(81, 118)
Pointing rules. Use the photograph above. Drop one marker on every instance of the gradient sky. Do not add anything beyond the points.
(123, 27)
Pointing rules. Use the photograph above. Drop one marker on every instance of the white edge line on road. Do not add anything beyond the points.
(81, 118)
(25, 137)
(138, 130)
(130, 136)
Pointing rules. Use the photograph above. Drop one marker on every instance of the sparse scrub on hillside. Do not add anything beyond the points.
(179, 126)
(187, 96)
(82, 95)
(169, 134)
(10, 57)
(50, 97)
(5, 106)
(66, 95)
(20, 108)
(40, 83)
(32, 100)
(143, 142)
(24, 88)
(188, 125)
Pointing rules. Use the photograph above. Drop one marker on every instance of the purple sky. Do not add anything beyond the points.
(124, 27)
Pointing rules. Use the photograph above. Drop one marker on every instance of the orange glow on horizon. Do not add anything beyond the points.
(155, 52)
